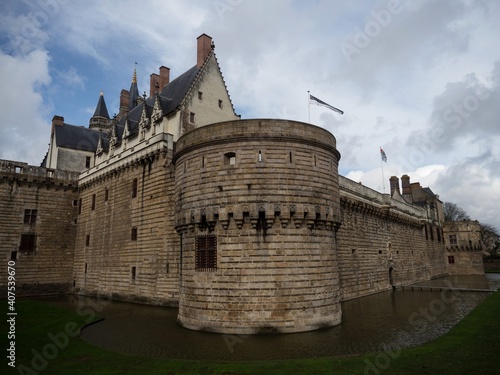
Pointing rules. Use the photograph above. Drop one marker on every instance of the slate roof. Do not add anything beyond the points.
(170, 98)
(176, 90)
(76, 137)
(133, 92)
(101, 109)
(429, 191)
(86, 139)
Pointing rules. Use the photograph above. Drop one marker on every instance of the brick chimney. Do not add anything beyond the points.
(56, 121)
(124, 97)
(164, 76)
(204, 49)
(154, 79)
(394, 181)
(161, 80)
(405, 183)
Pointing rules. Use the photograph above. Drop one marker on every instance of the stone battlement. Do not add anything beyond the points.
(361, 198)
(23, 172)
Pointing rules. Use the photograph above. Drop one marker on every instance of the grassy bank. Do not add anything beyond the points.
(47, 343)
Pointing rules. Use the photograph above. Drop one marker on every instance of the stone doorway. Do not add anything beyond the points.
(391, 277)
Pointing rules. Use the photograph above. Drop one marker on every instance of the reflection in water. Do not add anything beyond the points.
(390, 319)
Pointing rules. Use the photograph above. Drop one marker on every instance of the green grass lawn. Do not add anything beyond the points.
(47, 342)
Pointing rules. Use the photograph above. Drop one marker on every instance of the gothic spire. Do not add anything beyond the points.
(134, 91)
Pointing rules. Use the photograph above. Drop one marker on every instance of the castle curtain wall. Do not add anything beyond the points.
(126, 245)
(37, 221)
(384, 243)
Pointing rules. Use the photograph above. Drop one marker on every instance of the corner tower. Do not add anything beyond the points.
(257, 208)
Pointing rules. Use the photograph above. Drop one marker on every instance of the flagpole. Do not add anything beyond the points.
(382, 168)
(309, 105)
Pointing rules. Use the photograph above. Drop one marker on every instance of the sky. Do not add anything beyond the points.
(421, 78)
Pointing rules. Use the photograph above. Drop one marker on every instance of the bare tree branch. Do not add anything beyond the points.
(452, 212)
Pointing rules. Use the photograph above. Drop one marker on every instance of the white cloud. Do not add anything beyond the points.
(25, 131)
(427, 58)
(474, 184)
(70, 78)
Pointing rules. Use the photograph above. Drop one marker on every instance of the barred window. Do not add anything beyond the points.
(30, 216)
(451, 259)
(206, 253)
(28, 243)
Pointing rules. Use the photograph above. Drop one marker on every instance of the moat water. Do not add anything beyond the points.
(384, 321)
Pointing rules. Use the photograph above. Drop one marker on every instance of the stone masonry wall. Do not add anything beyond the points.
(266, 191)
(382, 243)
(47, 267)
(126, 247)
(463, 248)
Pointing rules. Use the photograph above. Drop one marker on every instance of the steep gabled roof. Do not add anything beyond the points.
(170, 98)
(173, 93)
(76, 137)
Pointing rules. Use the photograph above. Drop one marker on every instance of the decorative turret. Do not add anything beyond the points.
(100, 120)
(133, 92)
(113, 139)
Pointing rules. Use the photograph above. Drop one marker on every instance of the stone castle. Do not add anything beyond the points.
(245, 225)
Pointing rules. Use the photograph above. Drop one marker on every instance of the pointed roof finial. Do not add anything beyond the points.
(101, 110)
(134, 77)
(134, 91)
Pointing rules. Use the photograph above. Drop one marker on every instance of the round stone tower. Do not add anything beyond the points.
(257, 208)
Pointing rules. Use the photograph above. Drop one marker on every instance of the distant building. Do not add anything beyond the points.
(463, 246)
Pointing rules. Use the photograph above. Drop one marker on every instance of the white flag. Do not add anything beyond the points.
(314, 100)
